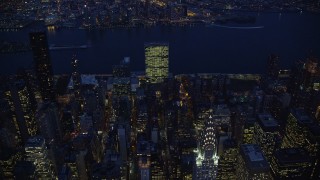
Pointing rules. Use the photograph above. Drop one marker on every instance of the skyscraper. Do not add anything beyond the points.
(296, 131)
(121, 78)
(266, 132)
(157, 61)
(207, 159)
(228, 160)
(37, 153)
(43, 68)
(252, 164)
(76, 77)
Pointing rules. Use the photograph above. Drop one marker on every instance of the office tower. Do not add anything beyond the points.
(296, 130)
(252, 164)
(228, 160)
(273, 66)
(14, 97)
(142, 118)
(266, 134)
(22, 101)
(291, 163)
(121, 79)
(123, 69)
(43, 67)
(76, 77)
(75, 85)
(157, 61)
(302, 132)
(248, 131)
(37, 153)
(27, 77)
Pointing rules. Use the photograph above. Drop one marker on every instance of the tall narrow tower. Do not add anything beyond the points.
(43, 67)
(207, 159)
(157, 61)
(76, 77)
(273, 66)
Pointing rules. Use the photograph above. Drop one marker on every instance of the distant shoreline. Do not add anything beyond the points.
(236, 27)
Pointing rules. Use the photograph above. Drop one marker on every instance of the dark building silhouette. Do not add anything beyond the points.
(43, 67)
(76, 77)
(273, 65)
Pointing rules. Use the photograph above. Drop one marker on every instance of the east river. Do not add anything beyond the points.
(193, 49)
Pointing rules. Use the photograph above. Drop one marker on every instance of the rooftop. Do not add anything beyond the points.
(255, 160)
(267, 122)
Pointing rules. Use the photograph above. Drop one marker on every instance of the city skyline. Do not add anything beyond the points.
(159, 90)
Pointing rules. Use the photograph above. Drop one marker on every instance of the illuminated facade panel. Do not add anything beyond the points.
(157, 61)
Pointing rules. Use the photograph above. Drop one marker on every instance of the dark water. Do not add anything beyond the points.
(192, 49)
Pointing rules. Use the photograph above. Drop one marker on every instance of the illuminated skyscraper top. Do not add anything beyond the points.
(207, 159)
(43, 68)
(157, 61)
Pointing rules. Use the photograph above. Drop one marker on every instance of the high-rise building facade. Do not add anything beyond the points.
(43, 67)
(266, 133)
(157, 61)
(37, 153)
(248, 131)
(252, 164)
(76, 77)
(296, 129)
(228, 160)
(121, 78)
(303, 132)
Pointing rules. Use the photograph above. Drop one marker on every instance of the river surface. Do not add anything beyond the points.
(196, 49)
